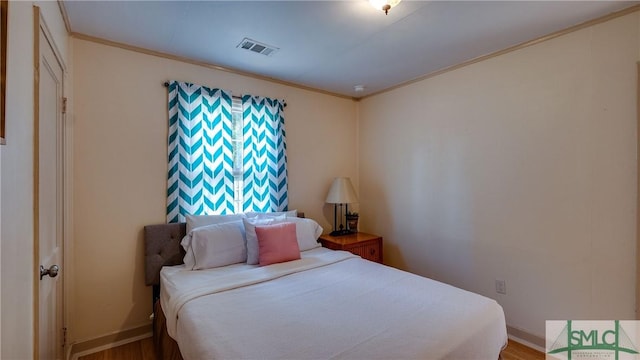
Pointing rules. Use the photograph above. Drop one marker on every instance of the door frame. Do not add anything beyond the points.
(638, 194)
(39, 24)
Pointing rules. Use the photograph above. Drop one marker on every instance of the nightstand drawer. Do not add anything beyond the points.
(369, 252)
(366, 246)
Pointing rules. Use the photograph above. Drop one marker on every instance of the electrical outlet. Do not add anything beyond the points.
(501, 287)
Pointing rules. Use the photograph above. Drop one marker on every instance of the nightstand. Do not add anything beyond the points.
(364, 245)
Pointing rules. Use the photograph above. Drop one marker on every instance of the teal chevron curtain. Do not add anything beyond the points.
(200, 173)
(264, 161)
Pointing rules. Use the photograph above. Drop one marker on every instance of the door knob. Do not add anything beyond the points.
(52, 271)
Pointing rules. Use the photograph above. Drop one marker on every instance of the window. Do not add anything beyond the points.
(238, 183)
(225, 155)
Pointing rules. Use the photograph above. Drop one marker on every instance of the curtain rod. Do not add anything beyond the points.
(166, 84)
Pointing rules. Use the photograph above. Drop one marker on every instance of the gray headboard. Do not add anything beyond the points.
(162, 247)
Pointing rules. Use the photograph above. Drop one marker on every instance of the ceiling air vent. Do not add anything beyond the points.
(257, 47)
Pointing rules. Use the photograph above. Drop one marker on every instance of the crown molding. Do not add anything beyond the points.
(65, 16)
(447, 69)
(160, 54)
(520, 46)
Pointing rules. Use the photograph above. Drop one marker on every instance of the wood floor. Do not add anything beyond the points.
(143, 349)
(517, 351)
(137, 350)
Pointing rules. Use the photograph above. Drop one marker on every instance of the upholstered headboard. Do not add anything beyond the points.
(162, 247)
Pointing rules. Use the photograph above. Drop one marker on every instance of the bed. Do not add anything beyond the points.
(327, 304)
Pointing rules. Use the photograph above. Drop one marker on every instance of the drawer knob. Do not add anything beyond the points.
(372, 251)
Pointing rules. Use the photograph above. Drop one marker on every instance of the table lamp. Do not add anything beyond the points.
(341, 192)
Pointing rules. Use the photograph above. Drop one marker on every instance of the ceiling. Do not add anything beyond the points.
(331, 45)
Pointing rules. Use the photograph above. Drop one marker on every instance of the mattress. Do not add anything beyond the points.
(328, 304)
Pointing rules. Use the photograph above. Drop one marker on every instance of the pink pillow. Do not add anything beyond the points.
(277, 243)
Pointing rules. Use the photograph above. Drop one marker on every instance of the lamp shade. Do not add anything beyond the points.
(341, 192)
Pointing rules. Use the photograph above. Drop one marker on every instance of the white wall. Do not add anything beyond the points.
(17, 182)
(522, 168)
(120, 169)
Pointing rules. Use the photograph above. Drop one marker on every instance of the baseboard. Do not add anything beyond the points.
(525, 338)
(108, 341)
(118, 338)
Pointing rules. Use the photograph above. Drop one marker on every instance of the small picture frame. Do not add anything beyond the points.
(4, 9)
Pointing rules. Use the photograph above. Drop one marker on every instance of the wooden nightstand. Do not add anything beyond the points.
(364, 245)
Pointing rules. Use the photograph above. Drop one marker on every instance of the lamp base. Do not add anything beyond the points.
(342, 232)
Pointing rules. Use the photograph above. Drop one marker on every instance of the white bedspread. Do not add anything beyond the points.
(329, 304)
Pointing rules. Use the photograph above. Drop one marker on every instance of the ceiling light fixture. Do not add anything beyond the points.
(384, 5)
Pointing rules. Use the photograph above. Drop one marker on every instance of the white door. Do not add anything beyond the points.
(49, 222)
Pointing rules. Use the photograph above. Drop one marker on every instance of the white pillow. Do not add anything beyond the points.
(252, 238)
(218, 245)
(290, 213)
(307, 231)
(196, 221)
(189, 259)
